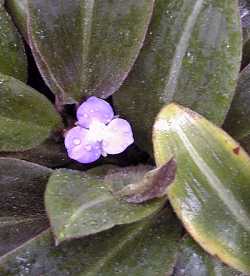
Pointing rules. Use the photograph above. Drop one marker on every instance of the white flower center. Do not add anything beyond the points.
(97, 131)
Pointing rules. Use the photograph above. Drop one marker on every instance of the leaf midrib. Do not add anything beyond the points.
(11, 221)
(29, 123)
(224, 194)
(131, 235)
(181, 48)
(84, 207)
(88, 7)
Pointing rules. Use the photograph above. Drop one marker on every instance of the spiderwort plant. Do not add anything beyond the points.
(146, 55)
(98, 132)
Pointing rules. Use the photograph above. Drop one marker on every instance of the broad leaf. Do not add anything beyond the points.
(144, 248)
(85, 48)
(22, 213)
(18, 10)
(50, 154)
(246, 143)
(79, 204)
(191, 56)
(193, 261)
(27, 118)
(238, 119)
(12, 55)
(211, 190)
(245, 23)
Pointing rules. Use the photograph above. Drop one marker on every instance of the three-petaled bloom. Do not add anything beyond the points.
(98, 132)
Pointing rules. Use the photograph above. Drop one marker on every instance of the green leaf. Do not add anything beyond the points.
(79, 204)
(50, 153)
(191, 56)
(246, 47)
(238, 119)
(144, 248)
(13, 60)
(211, 190)
(85, 47)
(246, 143)
(153, 184)
(192, 260)
(27, 118)
(18, 10)
(245, 20)
(22, 213)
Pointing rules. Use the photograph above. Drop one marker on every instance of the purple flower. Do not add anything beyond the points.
(98, 132)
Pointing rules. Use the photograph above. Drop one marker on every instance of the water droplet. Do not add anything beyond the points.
(88, 147)
(76, 141)
(85, 115)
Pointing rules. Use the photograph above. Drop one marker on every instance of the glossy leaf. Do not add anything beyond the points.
(79, 204)
(22, 213)
(85, 48)
(211, 190)
(27, 118)
(192, 260)
(50, 153)
(246, 143)
(191, 56)
(245, 23)
(238, 119)
(152, 185)
(144, 248)
(18, 10)
(13, 60)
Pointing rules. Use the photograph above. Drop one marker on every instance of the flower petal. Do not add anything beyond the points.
(94, 109)
(118, 136)
(80, 147)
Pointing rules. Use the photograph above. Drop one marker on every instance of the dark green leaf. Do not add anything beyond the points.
(50, 154)
(238, 119)
(85, 47)
(191, 56)
(246, 143)
(12, 55)
(79, 204)
(144, 248)
(18, 11)
(153, 184)
(27, 118)
(211, 190)
(22, 213)
(193, 261)
(245, 20)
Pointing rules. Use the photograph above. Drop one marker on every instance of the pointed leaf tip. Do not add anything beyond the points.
(153, 185)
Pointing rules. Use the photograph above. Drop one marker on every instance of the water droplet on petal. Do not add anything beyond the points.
(88, 147)
(85, 115)
(76, 141)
